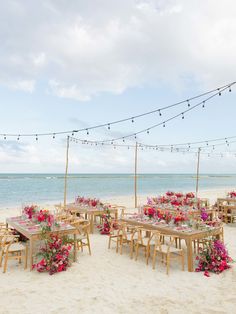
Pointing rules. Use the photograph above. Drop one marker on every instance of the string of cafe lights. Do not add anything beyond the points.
(184, 147)
(190, 106)
(163, 123)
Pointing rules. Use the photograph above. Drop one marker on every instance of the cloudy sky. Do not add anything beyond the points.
(72, 64)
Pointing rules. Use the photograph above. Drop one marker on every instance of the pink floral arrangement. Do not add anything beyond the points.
(87, 201)
(190, 195)
(232, 194)
(45, 219)
(180, 217)
(175, 199)
(204, 214)
(213, 258)
(170, 193)
(56, 256)
(29, 211)
(150, 211)
(175, 202)
(165, 215)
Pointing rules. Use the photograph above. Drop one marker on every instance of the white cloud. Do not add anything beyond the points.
(84, 48)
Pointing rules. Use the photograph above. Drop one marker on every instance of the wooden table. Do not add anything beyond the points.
(91, 212)
(187, 236)
(36, 235)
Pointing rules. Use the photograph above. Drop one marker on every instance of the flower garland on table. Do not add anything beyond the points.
(213, 258)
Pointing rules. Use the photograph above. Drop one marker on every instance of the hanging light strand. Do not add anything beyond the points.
(216, 91)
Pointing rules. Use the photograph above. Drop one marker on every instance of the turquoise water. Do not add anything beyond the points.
(16, 189)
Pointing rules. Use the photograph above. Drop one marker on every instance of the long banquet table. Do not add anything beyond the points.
(187, 236)
(33, 233)
(91, 212)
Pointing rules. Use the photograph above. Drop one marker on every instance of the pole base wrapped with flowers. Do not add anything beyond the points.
(214, 258)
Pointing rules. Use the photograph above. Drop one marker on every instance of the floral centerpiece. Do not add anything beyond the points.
(232, 194)
(45, 219)
(180, 218)
(165, 215)
(204, 214)
(29, 211)
(213, 258)
(150, 212)
(93, 202)
(55, 256)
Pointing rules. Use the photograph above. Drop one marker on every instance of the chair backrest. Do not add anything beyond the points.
(7, 240)
(144, 233)
(158, 239)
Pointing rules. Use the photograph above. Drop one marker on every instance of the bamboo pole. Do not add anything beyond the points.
(135, 175)
(66, 172)
(198, 164)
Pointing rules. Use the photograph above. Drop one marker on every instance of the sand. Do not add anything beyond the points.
(107, 282)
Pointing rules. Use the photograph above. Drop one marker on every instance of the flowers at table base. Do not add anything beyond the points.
(214, 258)
(105, 228)
(55, 256)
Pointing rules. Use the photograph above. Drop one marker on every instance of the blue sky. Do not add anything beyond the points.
(69, 66)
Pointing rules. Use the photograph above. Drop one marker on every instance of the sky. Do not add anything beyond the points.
(72, 64)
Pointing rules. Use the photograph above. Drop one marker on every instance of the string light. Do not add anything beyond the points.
(159, 110)
(182, 115)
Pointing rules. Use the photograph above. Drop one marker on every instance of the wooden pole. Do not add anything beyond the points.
(66, 172)
(135, 175)
(198, 163)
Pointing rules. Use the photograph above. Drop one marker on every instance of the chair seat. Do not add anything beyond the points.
(16, 247)
(145, 241)
(164, 249)
(81, 237)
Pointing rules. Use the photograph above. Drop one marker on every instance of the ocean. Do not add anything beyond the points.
(18, 189)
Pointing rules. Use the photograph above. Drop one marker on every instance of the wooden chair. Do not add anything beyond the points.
(168, 250)
(145, 241)
(82, 236)
(229, 214)
(129, 237)
(115, 234)
(11, 249)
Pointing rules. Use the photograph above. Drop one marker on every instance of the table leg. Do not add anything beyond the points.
(75, 248)
(189, 254)
(91, 223)
(30, 253)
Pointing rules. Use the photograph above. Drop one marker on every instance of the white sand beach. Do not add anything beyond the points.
(107, 282)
